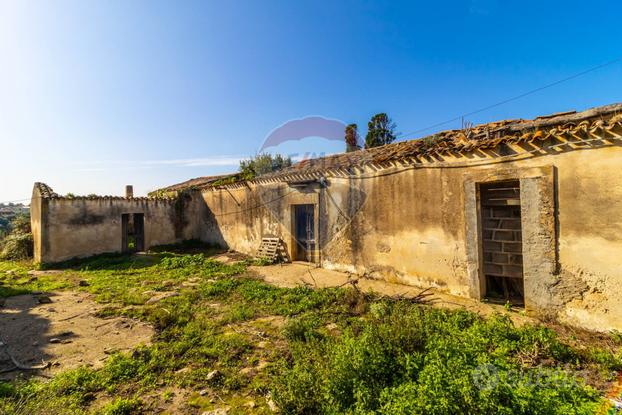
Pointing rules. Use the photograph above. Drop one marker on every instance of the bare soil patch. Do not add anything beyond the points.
(64, 331)
(230, 257)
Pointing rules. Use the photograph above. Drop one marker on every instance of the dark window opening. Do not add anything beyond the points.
(133, 232)
(304, 233)
(502, 241)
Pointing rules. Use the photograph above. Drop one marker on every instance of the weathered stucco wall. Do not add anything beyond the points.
(38, 213)
(404, 227)
(238, 218)
(417, 224)
(413, 227)
(590, 238)
(67, 228)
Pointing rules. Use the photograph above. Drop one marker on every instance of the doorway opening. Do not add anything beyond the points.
(304, 233)
(502, 242)
(133, 232)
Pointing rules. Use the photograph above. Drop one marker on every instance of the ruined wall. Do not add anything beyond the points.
(572, 234)
(239, 217)
(404, 227)
(38, 208)
(412, 227)
(590, 238)
(417, 225)
(66, 228)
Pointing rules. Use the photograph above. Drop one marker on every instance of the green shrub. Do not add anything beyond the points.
(18, 243)
(382, 357)
(20, 224)
(603, 358)
(76, 382)
(262, 262)
(298, 387)
(303, 328)
(406, 359)
(17, 246)
(263, 163)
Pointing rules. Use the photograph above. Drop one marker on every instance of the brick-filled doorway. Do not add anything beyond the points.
(502, 241)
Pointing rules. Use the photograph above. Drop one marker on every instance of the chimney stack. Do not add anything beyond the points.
(129, 191)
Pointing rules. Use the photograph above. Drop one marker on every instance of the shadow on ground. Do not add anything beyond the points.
(62, 329)
(139, 260)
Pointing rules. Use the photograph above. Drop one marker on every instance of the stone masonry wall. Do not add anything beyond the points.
(66, 228)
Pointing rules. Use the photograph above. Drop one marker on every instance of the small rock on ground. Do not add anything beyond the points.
(213, 375)
(271, 403)
(161, 296)
(44, 299)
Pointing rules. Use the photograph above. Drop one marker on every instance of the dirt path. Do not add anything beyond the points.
(291, 275)
(64, 332)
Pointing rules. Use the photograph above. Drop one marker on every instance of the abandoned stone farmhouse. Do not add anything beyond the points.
(525, 211)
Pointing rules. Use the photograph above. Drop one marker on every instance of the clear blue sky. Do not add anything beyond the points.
(98, 94)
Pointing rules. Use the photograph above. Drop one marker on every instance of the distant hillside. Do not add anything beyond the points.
(7, 213)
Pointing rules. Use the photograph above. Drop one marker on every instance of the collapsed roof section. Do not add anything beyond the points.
(199, 183)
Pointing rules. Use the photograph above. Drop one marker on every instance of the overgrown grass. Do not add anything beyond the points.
(15, 280)
(314, 351)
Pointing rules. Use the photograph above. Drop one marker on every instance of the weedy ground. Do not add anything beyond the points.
(229, 340)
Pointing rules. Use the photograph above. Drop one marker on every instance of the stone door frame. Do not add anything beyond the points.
(539, 231)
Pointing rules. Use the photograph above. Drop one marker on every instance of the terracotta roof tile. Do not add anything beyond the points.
(484, 136)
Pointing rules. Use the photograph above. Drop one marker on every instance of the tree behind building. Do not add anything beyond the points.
(380, 131)
(262, 164)
(352, 138)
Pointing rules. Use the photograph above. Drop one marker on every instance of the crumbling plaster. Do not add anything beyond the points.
(66, 228)
(414, 224)
(419, 226)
